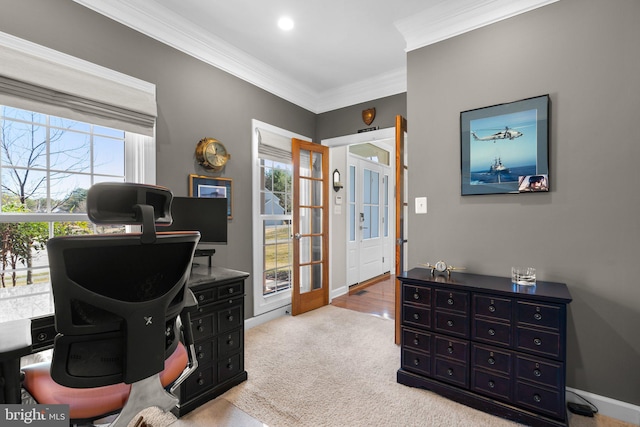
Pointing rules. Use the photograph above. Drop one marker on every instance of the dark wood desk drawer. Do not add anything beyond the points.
(496, 308)
(229, 318)
(538, 342)
(452, 372)
(204, 351)
(492, 332)
(416, 295)
(491, 384)
(418, 316)
(492, 359)
(452, 300)
(543, 315)
(199, 381)
(540, 399)
(202, 327)
(540, 371)
(416, 340)
(229, 367)
(230, 290)
(451, 323)
(416, 362)
(229, 342)
(451, 348)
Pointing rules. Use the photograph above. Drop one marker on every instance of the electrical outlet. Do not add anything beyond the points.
(421, 205)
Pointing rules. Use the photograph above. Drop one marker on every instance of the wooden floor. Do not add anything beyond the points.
(377, 299)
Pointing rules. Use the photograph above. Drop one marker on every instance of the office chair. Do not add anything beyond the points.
(121, 306)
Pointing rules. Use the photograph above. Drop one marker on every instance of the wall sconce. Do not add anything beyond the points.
(337, 185)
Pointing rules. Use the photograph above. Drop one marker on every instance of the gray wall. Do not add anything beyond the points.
(348, 120)
(585, 232)
(195, 100)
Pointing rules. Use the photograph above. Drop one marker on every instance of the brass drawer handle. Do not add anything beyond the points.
(492, 331)
(450, 301)
(537, 316)
(416, 296)
(537, 341)
(537, 372)
(449, 323)
(491, 361)
(492, 308)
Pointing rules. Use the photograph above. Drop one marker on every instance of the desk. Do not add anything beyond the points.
(220, 295)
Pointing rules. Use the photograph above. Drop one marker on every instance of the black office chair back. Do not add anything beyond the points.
(117, 296)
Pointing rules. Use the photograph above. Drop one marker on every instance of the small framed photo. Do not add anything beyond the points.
(206, 186)
(505, 148)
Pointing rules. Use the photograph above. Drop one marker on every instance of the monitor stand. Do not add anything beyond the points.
(205, 252)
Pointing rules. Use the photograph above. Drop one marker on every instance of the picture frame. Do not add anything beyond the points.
(504, 148)
(207, 186)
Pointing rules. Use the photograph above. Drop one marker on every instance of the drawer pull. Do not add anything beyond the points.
(201, 297)
(231, 290)
(492, 331)
(200, 328)
(491, 361)
(416, 316)
(492, 384)
(416, 362)
(450, 350)
(492, 308)
(537, 316)
(230, 318)
(537, 398)
(229, 342)
(450, 301)
(537, 341)
(201, 355)
(416, 296)
(200, 381)
(416, 341)
(42, 336)
(230, 366)
(449, 322)
(537, 373)
(450, 372)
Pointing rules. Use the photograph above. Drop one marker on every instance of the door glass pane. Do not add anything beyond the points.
(316, 272)
(316, 248)
(352, 222)
(366, 196)
(305, 163)
(317, 220)
(375, 222)
(305, 250)
(305, 278)
(305, 192)
(317, 165)
(305, 221)
(316, 198)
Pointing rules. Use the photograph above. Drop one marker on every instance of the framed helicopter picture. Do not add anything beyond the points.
(505, 148)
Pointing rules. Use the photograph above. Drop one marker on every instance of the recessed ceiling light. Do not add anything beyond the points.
(285, 23)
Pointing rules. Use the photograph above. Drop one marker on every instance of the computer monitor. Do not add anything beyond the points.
(204, 214)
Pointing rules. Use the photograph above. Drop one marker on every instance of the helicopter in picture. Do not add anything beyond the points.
(507, 133)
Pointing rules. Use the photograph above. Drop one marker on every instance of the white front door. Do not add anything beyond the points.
(369, 245)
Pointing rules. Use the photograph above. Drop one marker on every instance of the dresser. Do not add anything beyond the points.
(486, 343)
(218, 331)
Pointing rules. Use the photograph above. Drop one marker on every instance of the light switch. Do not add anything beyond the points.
(421, 205)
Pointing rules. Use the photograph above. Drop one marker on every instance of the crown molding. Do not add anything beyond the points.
(446, 19)
(161, 24)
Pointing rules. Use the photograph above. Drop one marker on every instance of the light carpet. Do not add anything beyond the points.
(337, 367)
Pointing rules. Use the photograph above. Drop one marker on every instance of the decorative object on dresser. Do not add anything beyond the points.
(487, 343)
(218, 332)
(442, 267)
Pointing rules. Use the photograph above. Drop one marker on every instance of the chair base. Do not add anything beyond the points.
(144, 394)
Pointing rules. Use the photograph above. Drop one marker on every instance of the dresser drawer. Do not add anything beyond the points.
(229, 342)
(451, 348)
(416, 295)
(544, 315)
(204, 297)
(451, 323)
(416, 340)
(452, 300)
(540, 371)
(491, 384)
(202, 327)
(452, 372)
(491, 358)
(492, 332)
(229, 318)
(417, 316)
(539, 342)
(416, 362)
(229, 367)
(230, 290)
(199, 381)
(540, 399)
(205, 351)
(495, 308)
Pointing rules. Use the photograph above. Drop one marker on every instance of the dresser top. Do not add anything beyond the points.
(201, 274)
(545, 291)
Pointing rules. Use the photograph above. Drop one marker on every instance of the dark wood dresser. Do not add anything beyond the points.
(486, 343)
(218, 332)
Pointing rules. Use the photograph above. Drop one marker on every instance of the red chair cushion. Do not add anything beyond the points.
(91, 403)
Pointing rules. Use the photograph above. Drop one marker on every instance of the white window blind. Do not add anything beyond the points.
(37, 78)
(273, 146)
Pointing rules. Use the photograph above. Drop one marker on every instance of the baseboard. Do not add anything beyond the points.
(617, 409)
(335, 293)
(265, 317)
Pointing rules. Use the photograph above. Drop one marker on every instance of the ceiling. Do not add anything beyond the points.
(340, 52)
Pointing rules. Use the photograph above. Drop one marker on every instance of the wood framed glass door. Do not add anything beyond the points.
(310, 226)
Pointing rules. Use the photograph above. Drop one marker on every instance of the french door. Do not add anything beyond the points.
(310, 226)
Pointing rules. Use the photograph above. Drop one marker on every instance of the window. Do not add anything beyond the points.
(47, 165)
